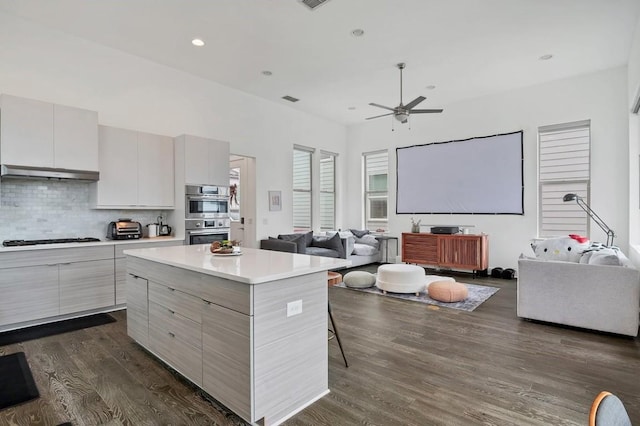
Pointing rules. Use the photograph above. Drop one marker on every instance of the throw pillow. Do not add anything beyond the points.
(568, 249)
(359, 279)
(333, 243)
(369, 240)
(299, 239)
(364, 250)
(359, 234)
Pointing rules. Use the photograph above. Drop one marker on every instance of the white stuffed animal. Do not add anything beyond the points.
(567, 249)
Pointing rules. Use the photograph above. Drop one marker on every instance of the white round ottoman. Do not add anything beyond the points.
(400, 278)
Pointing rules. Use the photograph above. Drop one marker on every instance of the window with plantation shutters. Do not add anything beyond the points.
(301, 201)
(563, 168)
(376, 165)
(327, 191)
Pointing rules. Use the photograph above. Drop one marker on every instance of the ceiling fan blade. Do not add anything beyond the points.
(423, 111)
(378, 116)
(415, 102)
(382, 106)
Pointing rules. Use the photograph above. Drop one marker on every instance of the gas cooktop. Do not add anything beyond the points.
(17, 243)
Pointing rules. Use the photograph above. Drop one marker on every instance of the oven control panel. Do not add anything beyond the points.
(207, 223)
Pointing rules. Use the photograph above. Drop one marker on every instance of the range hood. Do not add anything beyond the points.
(9, 171)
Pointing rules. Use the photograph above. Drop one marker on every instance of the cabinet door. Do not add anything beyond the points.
(226, 357)
(121, 281)
(218, 163)
(18, 287)
(86, 285)
(196, 161)
(118, 184)
(75, 138)
(26, 132)
(420, 248)
(138, 309)
(463, 252)
(155, 170)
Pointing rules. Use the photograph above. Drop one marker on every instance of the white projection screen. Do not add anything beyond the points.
(481, 175)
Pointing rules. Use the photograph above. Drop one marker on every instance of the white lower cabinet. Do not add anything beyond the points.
(138, 309)
(86, 285)
(226, 359)
(19, 287)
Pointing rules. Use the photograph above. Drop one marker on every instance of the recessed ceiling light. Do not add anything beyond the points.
(351, 108)
(357, 32)
(267, 73)
(430, 87)
(546, 57)
(197, 42)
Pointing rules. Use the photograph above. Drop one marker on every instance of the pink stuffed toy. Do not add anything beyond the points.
(567, 249)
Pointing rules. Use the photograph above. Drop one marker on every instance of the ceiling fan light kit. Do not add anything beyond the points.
(402, 112)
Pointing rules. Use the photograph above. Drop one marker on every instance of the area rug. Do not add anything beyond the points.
(477, 295)
(38, 331)
(16, 382)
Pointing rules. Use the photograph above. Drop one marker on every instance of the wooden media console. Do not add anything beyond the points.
(460, 251)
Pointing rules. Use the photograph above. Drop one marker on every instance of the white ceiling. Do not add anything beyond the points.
(466, 48)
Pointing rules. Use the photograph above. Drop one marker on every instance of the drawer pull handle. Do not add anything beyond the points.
(173, 312)
(171, 334)
(171, 289)
(208, 303)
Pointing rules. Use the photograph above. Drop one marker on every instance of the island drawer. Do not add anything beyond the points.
(176, 300)
(227, 293)
(175, 324)
(176, 351)
(177, 278)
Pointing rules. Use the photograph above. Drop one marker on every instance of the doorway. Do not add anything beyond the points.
(242, 199)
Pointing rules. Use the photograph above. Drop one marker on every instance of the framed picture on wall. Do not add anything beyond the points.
(275, 201)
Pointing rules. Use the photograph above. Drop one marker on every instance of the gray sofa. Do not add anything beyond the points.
(310, 245)
(597, 297)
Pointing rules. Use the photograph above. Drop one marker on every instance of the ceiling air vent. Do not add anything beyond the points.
(312, 4)
(290, 98)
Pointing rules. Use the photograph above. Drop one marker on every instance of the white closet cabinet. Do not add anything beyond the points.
(206, 161)
(136, 170)
(41, 134)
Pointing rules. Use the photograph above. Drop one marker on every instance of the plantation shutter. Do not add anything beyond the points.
(301, 188)
(327, 190)
(564, 167)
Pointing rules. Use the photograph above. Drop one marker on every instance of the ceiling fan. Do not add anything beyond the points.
(402, 112)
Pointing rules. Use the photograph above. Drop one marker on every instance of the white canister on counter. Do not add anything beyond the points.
(152, 230)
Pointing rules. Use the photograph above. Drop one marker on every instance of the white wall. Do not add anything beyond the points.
(633, 90)
(134, 93)
(601, 97)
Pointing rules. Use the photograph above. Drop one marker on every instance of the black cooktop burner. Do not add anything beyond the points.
(17, 243)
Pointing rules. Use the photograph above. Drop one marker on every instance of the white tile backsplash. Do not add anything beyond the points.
(34, 209)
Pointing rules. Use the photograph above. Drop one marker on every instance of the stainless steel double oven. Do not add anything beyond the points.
(206, 214)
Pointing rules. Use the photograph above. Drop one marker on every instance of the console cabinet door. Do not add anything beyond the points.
(226, 357)
(18, 287)
(86, 285)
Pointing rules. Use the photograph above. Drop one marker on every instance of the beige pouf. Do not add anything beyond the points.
(359, 279)
(400, 278)
(448, 291)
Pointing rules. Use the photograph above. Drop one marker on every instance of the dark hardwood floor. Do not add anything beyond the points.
(410, 364)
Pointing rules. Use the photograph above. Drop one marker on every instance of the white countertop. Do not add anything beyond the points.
(96, 243)
(253, 266)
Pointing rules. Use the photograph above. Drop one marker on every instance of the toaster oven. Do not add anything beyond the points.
(124, 229)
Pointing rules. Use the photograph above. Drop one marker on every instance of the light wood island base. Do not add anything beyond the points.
(258, 348)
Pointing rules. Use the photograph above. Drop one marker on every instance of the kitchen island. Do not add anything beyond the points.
(249, 329)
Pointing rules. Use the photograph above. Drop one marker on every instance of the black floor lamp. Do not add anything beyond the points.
(592, 215)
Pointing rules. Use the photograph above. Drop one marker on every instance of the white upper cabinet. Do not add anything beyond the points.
(206, 161)
(155, 170)
(41, 134)
(75, 136)
(136, 170)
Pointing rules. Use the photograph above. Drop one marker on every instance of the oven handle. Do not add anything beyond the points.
(208, 231)
(208, 197)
